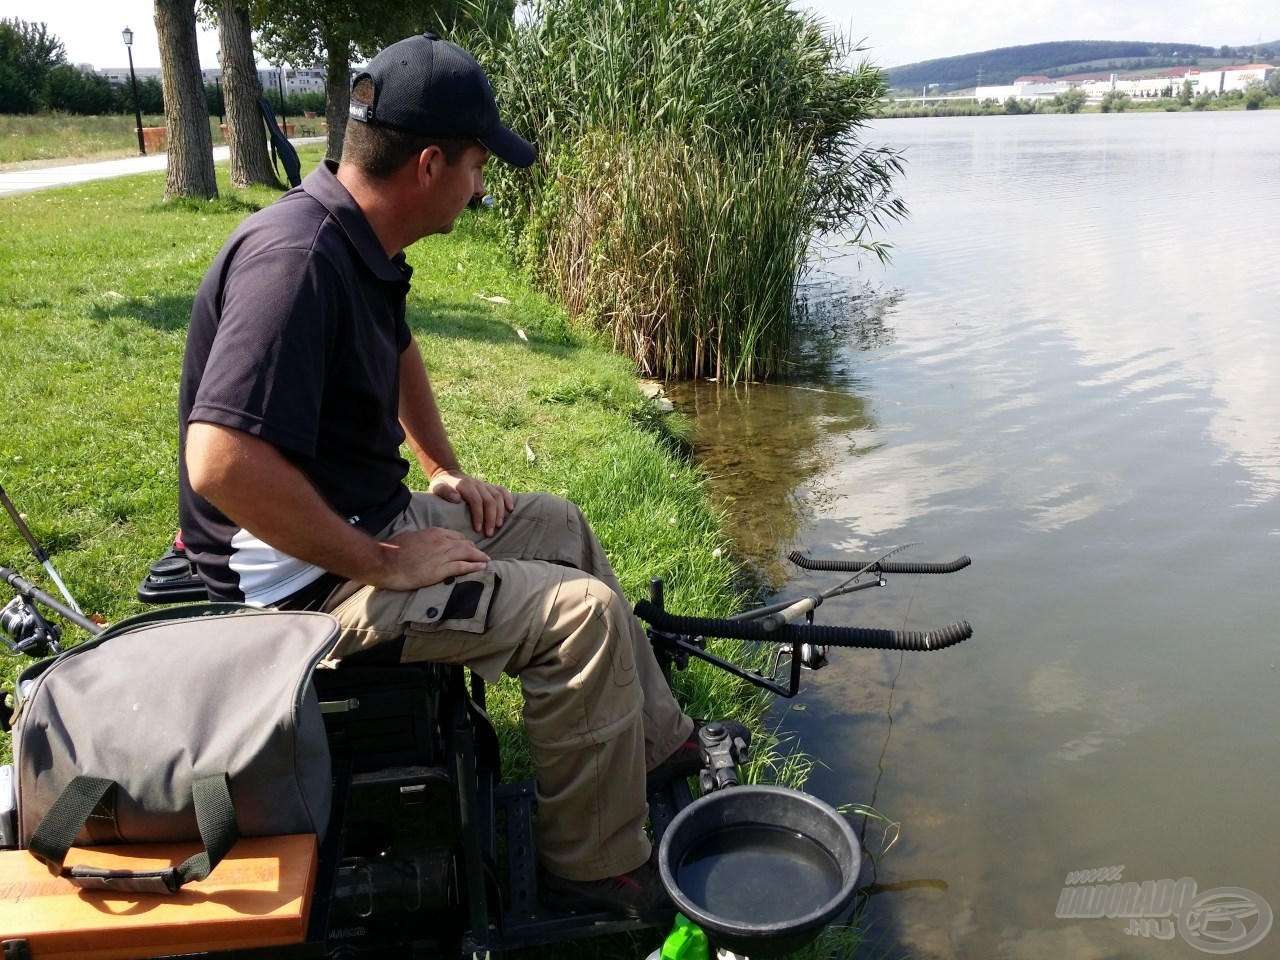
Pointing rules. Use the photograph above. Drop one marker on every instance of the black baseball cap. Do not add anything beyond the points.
(432, 87)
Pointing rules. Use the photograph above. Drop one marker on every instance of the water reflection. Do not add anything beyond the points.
(770, 448)
(1069, 380)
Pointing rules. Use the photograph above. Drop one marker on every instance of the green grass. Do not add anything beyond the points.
(56, 136)
(96, 283)
(48, 138)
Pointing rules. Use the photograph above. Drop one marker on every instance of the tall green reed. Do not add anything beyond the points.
(690, 149)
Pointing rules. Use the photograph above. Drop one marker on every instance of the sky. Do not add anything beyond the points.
(896, 31)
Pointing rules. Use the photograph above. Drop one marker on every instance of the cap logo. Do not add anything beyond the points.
(361, 111)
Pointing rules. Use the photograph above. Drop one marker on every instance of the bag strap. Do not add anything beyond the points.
(215, 817)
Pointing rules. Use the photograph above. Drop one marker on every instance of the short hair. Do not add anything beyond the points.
(380, 151)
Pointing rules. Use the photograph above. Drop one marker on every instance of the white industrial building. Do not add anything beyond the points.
(1096, 85)
(301, 80)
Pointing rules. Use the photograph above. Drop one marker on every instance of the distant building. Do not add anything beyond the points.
(120, 75)
(301, 80)
(1024, 88)
(1097, 85)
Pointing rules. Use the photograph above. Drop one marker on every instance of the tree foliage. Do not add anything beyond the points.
(80, 91)
(28, 55)
(35, 76)
(336, 33)
(1114, 101)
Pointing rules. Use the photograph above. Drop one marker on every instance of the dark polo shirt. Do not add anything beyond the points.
(296, 334)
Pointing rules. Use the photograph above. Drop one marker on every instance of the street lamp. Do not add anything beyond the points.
(217, 79)
(133, 81)
(284, 120)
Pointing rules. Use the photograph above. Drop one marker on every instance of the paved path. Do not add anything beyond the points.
(41, 178)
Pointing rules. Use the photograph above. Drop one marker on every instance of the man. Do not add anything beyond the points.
(301, 381)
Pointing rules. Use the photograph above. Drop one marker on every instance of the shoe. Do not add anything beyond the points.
(638, 894)
(686, 760)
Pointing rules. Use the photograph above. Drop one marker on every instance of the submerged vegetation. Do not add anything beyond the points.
(689, 151)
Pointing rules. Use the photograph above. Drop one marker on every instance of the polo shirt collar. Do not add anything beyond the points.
(323, 185)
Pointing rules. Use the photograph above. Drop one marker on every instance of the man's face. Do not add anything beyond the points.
(455, 185)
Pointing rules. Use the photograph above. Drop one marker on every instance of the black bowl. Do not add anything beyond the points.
(761, 869)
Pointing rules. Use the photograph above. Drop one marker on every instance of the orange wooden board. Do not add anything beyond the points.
(258, 896)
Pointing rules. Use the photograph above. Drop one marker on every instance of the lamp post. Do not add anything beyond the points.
(284, 120)
(133, 82)
(217, 79)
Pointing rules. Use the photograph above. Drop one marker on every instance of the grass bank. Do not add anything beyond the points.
(96, 283)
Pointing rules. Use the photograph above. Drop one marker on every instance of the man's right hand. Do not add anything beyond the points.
(420, 558)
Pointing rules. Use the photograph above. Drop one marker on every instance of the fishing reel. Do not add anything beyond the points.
(25, 632)
(812, 656)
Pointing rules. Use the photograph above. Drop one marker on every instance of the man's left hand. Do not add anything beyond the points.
(488, 502)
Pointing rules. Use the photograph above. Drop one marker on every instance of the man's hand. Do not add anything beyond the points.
(421, 558)
(258, 488)
(488, 502)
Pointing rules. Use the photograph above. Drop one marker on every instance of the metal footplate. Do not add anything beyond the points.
(525, 920)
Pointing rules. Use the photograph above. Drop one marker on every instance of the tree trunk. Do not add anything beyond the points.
(246, 132)
(190, 162)
(337, 94)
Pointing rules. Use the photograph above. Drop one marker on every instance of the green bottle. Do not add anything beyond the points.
(686, 941)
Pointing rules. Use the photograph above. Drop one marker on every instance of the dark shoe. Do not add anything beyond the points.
(686, 760)
(637, 894)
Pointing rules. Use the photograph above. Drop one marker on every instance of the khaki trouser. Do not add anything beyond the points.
(549, 610)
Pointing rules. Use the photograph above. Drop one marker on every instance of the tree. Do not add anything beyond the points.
(190, 161)
(1071, 101)
(250, 159)
(150, 98)
(1254, 94)
(76, 91)
(1184, 95)
(28, 53)
(30, 49)
(1273, 83)
(327, 31)
(1114, 100)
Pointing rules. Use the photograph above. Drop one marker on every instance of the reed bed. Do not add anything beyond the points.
(689, 150)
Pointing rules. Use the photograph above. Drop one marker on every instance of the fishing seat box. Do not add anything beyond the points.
(258, 896)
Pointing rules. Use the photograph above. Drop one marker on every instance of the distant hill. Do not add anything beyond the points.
(1061, 58)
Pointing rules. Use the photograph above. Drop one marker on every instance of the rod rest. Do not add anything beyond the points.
(872, 565)
(867, 637)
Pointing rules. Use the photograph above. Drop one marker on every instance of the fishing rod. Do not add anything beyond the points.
(37, 550)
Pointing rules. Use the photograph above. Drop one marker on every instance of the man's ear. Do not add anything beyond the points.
(430, 161)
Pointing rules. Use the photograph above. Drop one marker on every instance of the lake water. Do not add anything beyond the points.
(1071, 372)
